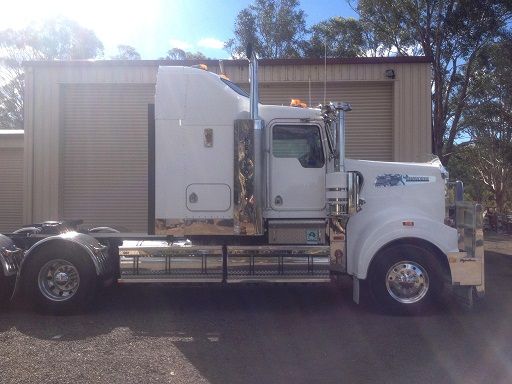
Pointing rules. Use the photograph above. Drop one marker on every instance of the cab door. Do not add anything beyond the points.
(297, 168)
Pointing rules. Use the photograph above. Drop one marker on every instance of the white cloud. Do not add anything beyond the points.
(211, 42)
(175, 43)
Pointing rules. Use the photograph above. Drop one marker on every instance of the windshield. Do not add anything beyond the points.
(235, 87)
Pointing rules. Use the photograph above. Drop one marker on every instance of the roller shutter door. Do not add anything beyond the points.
(11, 189)
(104, 154)
(369, 125)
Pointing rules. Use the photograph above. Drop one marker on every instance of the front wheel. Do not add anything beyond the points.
(405, 278)
(60, 283)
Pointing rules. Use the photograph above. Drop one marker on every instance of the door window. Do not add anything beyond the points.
(301, 142)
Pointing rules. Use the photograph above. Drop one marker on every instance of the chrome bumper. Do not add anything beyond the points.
(467, 266)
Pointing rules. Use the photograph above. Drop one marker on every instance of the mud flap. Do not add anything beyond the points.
(355, 289)
(464, 295)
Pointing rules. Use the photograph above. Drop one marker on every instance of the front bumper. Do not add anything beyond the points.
(467, 266)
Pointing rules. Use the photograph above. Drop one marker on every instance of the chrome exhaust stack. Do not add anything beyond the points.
(339, 160)
(253, 79)
(341, 187)
(248, 156)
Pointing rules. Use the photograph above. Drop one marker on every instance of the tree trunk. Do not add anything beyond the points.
(499, 196)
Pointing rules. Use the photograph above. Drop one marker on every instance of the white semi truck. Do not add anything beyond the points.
(243, 192)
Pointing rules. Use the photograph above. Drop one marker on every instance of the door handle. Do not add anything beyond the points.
(278, 200)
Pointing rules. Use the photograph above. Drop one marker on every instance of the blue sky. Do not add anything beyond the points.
(155, 26)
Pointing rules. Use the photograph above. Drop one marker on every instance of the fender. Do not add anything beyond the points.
(10, 256)
(98, 253)
(365, 239)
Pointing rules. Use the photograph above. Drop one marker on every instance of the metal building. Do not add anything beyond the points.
(86, 125)
(11, 179)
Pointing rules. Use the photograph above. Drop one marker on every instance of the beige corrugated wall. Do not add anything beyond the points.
(369, 126)
(11, 181)
(104, 154)
(43, 181)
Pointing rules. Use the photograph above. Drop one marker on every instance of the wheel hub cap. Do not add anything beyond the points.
(58, 280)
(61, 278)
(407, 282)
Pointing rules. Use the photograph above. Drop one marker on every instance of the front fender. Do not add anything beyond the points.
(366, 238)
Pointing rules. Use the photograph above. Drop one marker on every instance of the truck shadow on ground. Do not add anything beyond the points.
(134, 306)
(158, 310)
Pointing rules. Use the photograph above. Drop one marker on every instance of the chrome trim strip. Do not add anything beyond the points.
(278, 250)
(278, 279)
(249, 280)
(278, 222)
(191, 227)
(168, 279)
(172, 250)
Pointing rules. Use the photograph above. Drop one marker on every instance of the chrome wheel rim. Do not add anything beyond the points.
(58, 280)
(407, 282)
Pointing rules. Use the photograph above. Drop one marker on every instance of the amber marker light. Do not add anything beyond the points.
(204, 67)
(298, 103)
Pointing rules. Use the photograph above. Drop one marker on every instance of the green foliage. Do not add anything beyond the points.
(126, 52)
(488, 122)
(340, 37)
(466, 164)
(180, 54)
(453, 33)
(64, 39)
(276, 29)
(12, 84)
(56, 39)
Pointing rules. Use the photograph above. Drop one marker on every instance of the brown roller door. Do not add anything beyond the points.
(11, 189)
(369, 125)
(104, 154)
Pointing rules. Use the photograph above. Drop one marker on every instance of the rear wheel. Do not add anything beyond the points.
(405, 278)
(60, 283)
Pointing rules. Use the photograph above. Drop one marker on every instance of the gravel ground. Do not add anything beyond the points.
(263, 334)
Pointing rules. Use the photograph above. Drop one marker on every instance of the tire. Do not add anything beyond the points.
(60, 283)
(7, 284)
(405, 279)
